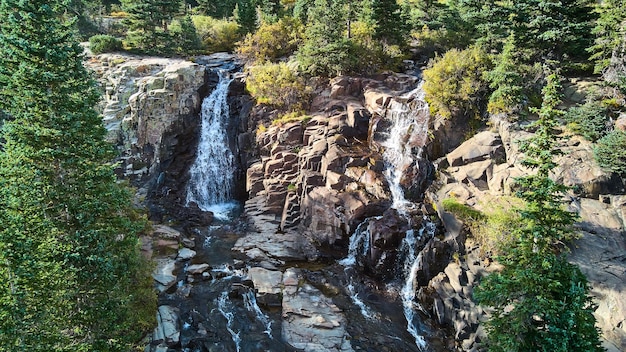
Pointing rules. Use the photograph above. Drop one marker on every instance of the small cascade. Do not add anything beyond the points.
(224, 307)
(213, 173)
(354, 295)
(409, 268)
(359, 246)
(249, 300)
(359, 242)
(403, 147)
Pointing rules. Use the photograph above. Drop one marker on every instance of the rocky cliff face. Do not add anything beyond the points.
(150, 105)
(309, 184)
(485, 166)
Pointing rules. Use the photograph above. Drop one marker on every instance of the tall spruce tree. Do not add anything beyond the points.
(390, 26)
(609, 49)
(71, 275)
(148, 22)
(541, 301)
(245, 15)
(326, 50)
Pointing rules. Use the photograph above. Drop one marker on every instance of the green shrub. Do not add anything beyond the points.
(455, 82)
(103, 43)
(589, 120)
(492, 227)
(291, 117)
(610, 152)
(462, 211)
(272, 40)
(373, 55)
(215, 34)
(278, 85)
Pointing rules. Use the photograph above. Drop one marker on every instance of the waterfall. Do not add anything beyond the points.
(409, 269)
(403, 148)
(408, 131)
(359, 245)
(213, 172)
(360, 239)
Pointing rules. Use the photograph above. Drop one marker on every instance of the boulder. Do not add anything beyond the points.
(163, 274)
(485, 145)
(311, 321)
(167, 332)
(185, 254)
(197, 268)
(268, 285)
(577, 168)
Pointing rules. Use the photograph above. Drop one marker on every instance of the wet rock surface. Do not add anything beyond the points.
(271, 280)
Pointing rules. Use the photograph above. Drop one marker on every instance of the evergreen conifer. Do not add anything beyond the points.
(72, 278)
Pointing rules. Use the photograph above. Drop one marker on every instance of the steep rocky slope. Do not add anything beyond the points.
(308, 185)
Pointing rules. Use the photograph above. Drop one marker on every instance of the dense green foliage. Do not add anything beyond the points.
(277, 85)
(148, 22)
(272, 41)
(326, 49)
(541, 302)
(610, 151)
(215, 34)
(506, 80)
(72, 277)
(492, 227)
(185, 39)
(609, 49)
(455, 82)
(104, 43)
(591, 120)
(246, 16)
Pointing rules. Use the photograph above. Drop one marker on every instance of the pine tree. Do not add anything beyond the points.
(271, 10)
(387, 17)
(217, 8)
(148, 22)
(609, 49)
(72, 277)
(541, 302)
(245, 15)
(326, 50)
(506, 79)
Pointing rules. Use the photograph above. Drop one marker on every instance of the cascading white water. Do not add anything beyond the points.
(225, 310)
(359, 245)
(249, 300)
(407, 134)
(409, 269)
(407, 128)
(213, 172)
(360, 239)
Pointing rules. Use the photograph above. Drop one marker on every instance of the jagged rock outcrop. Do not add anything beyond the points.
(487, 164)
(324, 174)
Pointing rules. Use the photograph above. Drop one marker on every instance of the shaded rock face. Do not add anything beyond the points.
(148, 105)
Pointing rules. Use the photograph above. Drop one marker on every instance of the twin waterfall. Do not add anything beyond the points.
(212, 175)
(212, 178)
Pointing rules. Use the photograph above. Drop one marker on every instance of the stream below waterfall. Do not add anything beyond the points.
(213, 304)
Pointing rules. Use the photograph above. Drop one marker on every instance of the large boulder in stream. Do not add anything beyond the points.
(311, 321)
